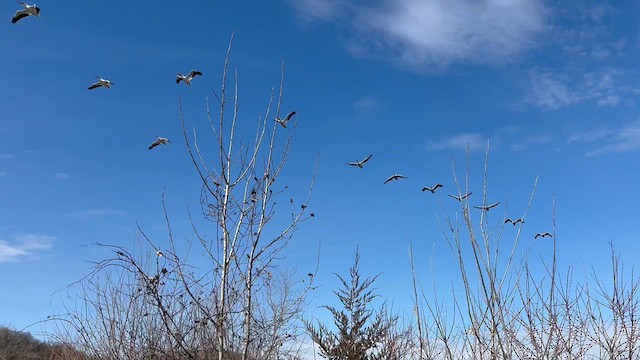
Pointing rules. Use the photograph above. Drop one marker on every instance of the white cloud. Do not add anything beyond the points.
(590, 135)
(62, 176)
(624, 139)
(97, 213)
(531, 140)
(553, 89)
(460, 142)
(24, 246)
(365, 104)
(432, 34)
(7, 156)
(318, 10)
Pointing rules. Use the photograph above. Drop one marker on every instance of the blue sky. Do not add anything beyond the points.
(554, 86)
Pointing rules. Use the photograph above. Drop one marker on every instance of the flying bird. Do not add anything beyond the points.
(29, 10)
(487, 207)
(101, 82)
(360, 163)
(159, 141)
(286, 119)
(395, 177)
(514, 222)
(542, 235)
(460, 198)
(187, 79)
(432, 189)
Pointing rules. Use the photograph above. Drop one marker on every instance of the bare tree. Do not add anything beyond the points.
(159, 304)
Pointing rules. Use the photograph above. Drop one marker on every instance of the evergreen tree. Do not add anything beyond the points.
(359, 330)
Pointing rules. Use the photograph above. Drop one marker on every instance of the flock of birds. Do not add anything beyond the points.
(33, 10)
(460, 198)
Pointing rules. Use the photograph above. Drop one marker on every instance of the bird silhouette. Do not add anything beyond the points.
(432, 189)
(487, 207)
(29, 10)
(543, 235)
(395, 177)
(187, 78)
(360, 163)
(159, 140)
(460, 198)
(286, 119)
(514, 222)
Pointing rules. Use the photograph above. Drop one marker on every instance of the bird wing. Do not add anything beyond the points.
(480, 207)
(194, 73)
(353, 164)
(95, 85)
(23, 4)
(389, 179)
(154, 144)
(437, 186)
(365, 159)
(19, 15)
(537, 236)
(455, 197)
(289, 115)
(493, 205)
(426, 188)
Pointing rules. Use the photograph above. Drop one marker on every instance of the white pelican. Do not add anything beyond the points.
(286, 119)
(360, 163)
(487, 207)
(101, 82)
(542, 235)
(187, 79)
(29, 10)
(460, 198)
(432, 189)
(159, 140)
(395, 177)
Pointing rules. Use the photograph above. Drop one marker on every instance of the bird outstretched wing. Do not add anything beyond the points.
(20, 14)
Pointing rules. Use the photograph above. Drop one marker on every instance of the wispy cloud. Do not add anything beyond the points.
(583, 64)
(97, 213)
(460, 142)
(553, 89)
(318, 10)
(365, 104)
(623, 139)
(531, 140)
(590, 135)
(62, 176)
(24, 246)
(7, 156)
(432, 34)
